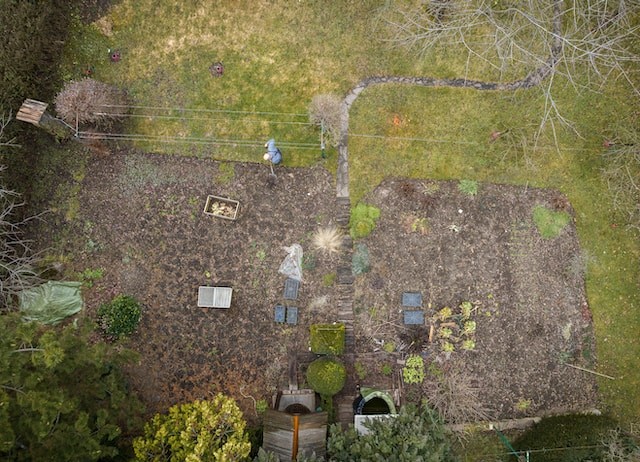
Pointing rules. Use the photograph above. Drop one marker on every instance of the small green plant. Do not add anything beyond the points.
(549, 222)
(363, 220)
(90, 276)
(465, 310)
(361, 371)
(523, 405)
(329, 279)
(448, 347)
(444, 314)
(386, 370)
(469, 327)
(413, 370)
(445, 332)
(120, 317)
(468, 345)
(261, 406)
(435, 370)
(389, 347)
(420, 226)
(469, 187)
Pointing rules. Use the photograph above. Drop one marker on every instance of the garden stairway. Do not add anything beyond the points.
(344, 294)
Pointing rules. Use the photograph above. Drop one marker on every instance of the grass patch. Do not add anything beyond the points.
(549, 222)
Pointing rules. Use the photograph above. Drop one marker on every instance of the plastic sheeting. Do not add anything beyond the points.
(51, 302)
(291, 266)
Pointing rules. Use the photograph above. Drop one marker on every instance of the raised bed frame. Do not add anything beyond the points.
(208, 206)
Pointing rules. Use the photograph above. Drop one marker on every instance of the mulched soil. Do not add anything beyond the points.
(528, 292)
(141, 219)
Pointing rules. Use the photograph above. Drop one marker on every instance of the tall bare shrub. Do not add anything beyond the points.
(325, 110)
(88, 101)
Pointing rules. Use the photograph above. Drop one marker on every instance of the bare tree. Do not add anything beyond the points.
(621, 171)
(586, 41)
(325, 110)
(90, 101)
(17, 260)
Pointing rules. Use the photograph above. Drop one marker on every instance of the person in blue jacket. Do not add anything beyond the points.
(273, 154)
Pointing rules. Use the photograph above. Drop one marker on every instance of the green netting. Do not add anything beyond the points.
(51, 302)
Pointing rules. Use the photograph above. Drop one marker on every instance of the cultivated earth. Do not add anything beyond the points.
(140, 219)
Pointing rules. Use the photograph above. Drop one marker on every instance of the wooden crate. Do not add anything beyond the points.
(221, 207)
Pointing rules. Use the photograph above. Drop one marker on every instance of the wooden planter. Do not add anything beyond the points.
(221, 207)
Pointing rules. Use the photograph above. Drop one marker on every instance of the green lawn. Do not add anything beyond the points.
(278, 55)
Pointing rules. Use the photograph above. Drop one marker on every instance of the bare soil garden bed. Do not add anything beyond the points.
(530, 316)
(141, 220)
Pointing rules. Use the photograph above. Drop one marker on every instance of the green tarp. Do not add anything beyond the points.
(51, 302)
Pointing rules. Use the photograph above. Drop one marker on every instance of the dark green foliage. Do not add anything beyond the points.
(33, 36)
(360, 262)
(414, 435)
(62, 398)
(327, 339)
(363, 220)
(119, 317)
(565, 432)
(326, 376)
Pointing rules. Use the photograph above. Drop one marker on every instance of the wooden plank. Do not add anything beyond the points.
(31, 111)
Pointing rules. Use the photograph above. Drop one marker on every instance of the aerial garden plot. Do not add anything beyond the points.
(467, 218)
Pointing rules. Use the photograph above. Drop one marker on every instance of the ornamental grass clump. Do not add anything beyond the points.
(120, 317)
(327, 239)
(90, 101)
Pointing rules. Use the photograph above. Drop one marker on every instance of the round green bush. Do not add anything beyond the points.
(326, 376)
(119, 317)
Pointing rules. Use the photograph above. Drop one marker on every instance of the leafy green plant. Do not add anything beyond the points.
(261, 406)
(468, 187)
(363, 220)
(549, 222)
(465, 310)
(327, 339)
(119, 317)
(445, 313)
(386, 369)
(89, 276)
(523, 405)
(448, 347)
(326, 376)
(468, 345)
(445, 332)
(389, 347)
(413, 370)
(469, 327)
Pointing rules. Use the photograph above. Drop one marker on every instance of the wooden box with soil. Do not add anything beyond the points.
(221, 207)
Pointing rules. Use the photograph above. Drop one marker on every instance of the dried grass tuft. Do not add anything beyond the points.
(327, 239)
(89, 101)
